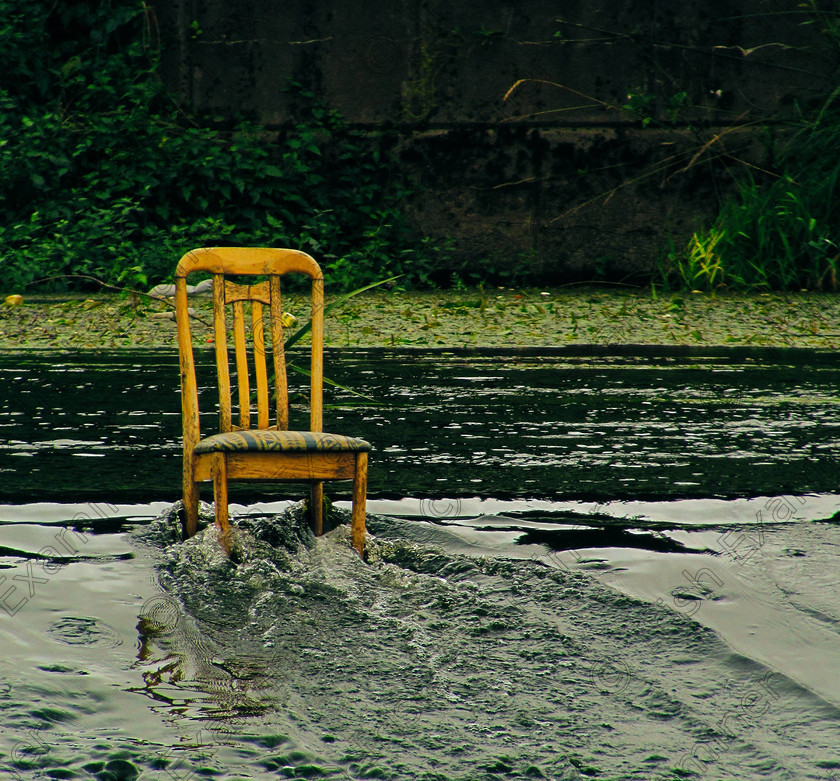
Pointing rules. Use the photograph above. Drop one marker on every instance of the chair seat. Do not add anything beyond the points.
(285, 441)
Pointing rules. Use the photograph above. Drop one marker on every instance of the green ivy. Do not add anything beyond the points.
(101, 172)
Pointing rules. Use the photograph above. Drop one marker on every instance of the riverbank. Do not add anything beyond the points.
(469, 318)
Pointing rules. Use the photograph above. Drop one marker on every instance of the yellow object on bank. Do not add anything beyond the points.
(13, 300)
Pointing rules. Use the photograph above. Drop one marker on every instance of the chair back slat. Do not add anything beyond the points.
(234, 292)
(281, 385)
(241, 350)
(260, 374)
(222, 365)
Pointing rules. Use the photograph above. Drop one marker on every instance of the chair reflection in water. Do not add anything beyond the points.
(263, 451)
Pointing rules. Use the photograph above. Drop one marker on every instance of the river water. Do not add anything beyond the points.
(584, 563)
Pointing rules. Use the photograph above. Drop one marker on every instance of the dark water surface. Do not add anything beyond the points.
(642, 424)
(585, 564)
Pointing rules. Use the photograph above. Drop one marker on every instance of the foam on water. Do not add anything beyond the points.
(423, 662)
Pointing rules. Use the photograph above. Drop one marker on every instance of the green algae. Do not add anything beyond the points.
(491, 318)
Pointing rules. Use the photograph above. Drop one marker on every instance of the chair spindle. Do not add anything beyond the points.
(281, 386)
(222, 366)
(260, 374)
(241, 365)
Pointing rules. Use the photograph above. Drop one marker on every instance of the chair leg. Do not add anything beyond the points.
(357, 524)
(190, 505)
(220, 494)
(316, 508)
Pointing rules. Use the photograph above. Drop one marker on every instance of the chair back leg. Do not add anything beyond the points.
(316, 508)
(357, 519)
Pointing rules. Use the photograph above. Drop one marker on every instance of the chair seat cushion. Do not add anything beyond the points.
(273, 440)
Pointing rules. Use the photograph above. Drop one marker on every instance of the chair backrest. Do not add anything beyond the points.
(243, 261)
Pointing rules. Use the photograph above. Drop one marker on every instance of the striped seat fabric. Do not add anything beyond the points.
(273, 440)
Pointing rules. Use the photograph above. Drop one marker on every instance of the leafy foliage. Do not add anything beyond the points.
(781, 231)
(781, 234)
(102, 174)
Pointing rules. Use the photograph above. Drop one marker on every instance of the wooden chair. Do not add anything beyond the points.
(263, 451)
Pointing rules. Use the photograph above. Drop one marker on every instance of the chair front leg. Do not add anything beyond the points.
(220, 494)
(191, 489)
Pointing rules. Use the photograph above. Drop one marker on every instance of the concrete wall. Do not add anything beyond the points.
(531, 175)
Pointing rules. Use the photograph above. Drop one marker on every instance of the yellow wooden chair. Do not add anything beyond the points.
(264, 451)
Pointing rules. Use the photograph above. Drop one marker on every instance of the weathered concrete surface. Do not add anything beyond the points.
(572, 203)
(558, 171)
